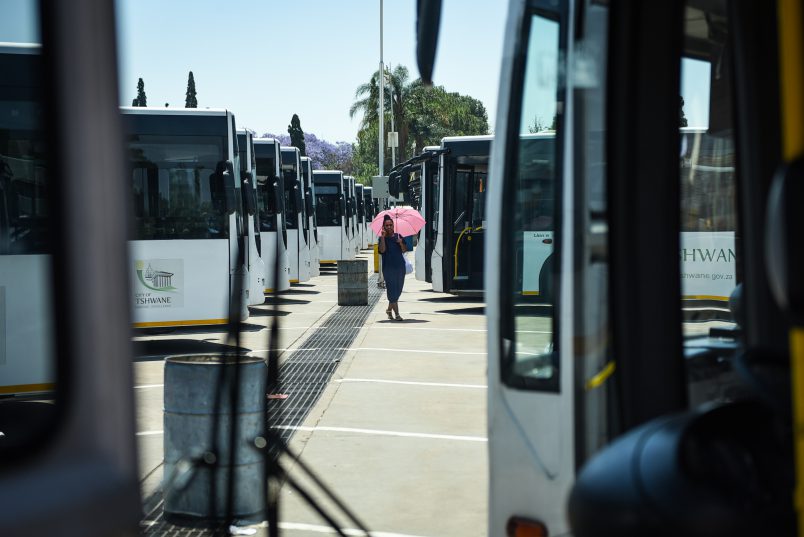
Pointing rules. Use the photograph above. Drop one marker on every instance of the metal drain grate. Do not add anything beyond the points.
(308, 371)
(304, 376)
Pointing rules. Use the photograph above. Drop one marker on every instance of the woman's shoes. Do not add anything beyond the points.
(398, 317)
(389, 314)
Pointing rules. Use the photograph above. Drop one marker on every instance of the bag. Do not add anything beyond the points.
(408, 265)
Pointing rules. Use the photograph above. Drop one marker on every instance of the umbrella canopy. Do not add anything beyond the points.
(407, 221)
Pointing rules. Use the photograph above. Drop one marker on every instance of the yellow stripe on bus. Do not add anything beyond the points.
(328, 261)
(791, 83)
(193, 322)
(267, 290)
(27, 388)
(604, 374)
(705, 297)
(530, 293)
(293, 281)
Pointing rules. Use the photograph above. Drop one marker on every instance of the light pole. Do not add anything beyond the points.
(381, 132)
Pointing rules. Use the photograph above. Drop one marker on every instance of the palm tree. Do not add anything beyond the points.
(396, 92)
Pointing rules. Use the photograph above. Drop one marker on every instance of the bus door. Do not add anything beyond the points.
(467, 227)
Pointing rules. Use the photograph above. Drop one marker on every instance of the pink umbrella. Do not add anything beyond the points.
(407, 221)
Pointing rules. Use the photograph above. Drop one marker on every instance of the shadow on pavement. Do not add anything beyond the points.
(453, 299)
(406, 320)
(157, 349)
(465, 311)
(270, 300)
(256, 311)
(194, 330)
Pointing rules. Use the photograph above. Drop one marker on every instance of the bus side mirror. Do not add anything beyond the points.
(279, 197)
(249, 198)
(229, 188)
(428, 19)
(783, 254)
(719, 471)
(222, 187)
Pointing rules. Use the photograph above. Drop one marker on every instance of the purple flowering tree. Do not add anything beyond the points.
(323, 154)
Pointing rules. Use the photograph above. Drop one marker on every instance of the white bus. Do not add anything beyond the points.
(361, 216)
(271, 202)
(613, 352)
(428, 181)
(309, 207)
(295, 215)
(457, 258)
(27, 357)
(256, 265)
(188, 221)
(351, 208)
(368, 204)
(330, 206)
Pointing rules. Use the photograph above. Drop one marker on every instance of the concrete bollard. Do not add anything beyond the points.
(352, 283)
(191, 384)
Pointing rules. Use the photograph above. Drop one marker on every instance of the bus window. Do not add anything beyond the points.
(174, 196)
(708, 246)
(28, 355)
(532, 362)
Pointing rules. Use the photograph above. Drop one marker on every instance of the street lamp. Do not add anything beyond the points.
(381, 131)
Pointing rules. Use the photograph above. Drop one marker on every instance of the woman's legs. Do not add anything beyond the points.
(395, 306)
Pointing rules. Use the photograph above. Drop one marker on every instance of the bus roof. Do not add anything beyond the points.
(266, 141)
(155, 111)
(467, 146)
(20, 48)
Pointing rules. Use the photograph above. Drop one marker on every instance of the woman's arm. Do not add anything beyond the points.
(381, 245)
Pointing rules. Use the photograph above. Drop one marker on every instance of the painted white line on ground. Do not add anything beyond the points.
(378, 349)
(143, 386)
(383, 433)
(285, 350)
(295, 526)
(150, 433)
(412, 383)
(397, 327)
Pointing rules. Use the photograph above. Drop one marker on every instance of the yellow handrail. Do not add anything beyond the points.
(457, 244)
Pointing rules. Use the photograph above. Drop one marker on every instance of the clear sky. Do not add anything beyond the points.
(269, 59)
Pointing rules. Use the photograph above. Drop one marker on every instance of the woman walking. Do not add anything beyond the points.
(391, 247)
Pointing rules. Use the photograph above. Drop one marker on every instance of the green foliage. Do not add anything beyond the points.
(190, 100)
(422, 116)
(364, 154)
(141, 99)
(297, 135)
(539, 125)
(683, 118)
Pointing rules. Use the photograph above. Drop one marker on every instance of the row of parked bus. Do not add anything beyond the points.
(216, 213)
(213, 205)
(448, 183)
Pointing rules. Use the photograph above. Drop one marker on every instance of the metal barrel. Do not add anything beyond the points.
(192, 415)
(352, 282)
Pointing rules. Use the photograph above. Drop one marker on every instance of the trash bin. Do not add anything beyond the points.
(191, 418)
(352, 282)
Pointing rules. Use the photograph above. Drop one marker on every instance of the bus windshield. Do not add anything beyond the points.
(328, 206)
(266, 203)
(176, 191)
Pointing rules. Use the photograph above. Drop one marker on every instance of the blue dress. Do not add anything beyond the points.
(393, 269)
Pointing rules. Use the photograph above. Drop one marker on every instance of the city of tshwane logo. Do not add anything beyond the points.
(156, 280)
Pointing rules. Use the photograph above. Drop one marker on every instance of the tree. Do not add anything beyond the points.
(683, 118)
(141, 99)
(396, 93)
(297, 134)
(323, 154)
(423, 115)
(189, 100)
